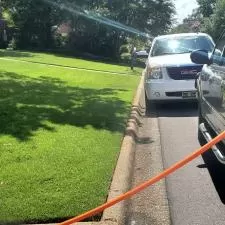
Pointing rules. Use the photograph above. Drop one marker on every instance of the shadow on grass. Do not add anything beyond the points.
(18, 54)
(70, 55)
(12, 53)
(27, 103)
(90, 57)
(134, 72)
(95, 218)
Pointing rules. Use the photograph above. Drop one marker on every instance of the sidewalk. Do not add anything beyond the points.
(149, 207)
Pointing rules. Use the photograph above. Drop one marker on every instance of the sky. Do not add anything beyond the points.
(184, 8)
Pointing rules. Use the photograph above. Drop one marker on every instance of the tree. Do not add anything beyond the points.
(206, 7)
(155, 17)
(215, 24)
(94, 23)
(192, 23)
(34, 20)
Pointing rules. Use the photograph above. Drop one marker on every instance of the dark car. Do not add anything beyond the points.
(210, 86)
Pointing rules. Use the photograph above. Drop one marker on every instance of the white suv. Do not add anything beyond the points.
(170, 73)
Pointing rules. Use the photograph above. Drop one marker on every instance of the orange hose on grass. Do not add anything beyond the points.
(146, 184)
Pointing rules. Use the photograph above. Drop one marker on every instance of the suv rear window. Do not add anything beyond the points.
(180, 45)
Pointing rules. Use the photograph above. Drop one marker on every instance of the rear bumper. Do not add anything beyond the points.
(167, 90)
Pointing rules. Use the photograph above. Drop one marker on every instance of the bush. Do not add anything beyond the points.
(60, 41)
(125, 57)
(12, 44)
(124, 49)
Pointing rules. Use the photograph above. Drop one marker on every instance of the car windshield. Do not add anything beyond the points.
(181, 45)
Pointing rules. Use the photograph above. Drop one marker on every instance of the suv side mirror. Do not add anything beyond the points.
(200, 57)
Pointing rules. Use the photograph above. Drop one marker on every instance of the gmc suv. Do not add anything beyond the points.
(210, 86)
(170, 74)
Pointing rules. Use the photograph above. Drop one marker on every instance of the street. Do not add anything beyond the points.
(196, 193)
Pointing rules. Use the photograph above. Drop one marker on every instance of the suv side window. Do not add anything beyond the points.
(218, 56)
(215, 80)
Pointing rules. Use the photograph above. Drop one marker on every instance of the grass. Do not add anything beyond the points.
(60, 136)
(66, 61)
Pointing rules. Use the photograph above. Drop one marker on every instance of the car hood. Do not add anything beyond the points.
(170, 60)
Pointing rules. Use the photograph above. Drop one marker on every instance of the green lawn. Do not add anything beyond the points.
(69, 61)
(60, 135)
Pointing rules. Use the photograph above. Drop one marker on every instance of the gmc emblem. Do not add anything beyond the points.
(189, 72)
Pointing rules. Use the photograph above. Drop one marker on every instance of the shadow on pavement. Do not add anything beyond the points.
(173, 109)
(216, 171)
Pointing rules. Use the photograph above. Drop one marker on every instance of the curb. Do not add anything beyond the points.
(122, 177)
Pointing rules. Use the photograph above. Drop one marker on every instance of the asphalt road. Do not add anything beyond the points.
(196, 193)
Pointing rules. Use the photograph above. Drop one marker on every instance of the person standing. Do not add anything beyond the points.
(133, 57)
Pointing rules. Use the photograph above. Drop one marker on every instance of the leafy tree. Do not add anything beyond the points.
(155, 17)
(215, 24)
(7, 16)
(206, 7)
(35, 19)
(180, 28)
(192, 23)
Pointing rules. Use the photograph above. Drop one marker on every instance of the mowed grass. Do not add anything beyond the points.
(68, 61)
(60, 135)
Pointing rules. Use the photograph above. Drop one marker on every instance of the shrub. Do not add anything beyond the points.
(124, 49)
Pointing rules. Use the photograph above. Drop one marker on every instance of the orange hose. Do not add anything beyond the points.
(147, 183)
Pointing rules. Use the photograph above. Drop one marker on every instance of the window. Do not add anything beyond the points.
(218, 56)
(181, 45)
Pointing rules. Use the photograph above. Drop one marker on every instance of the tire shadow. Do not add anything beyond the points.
(173, 109)
(216, 171)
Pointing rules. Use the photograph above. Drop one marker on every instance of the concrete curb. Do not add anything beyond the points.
(123, 173)
(122, 178)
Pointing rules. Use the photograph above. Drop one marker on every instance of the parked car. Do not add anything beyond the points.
(142, 53)
(211, 95)
(170, 74)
